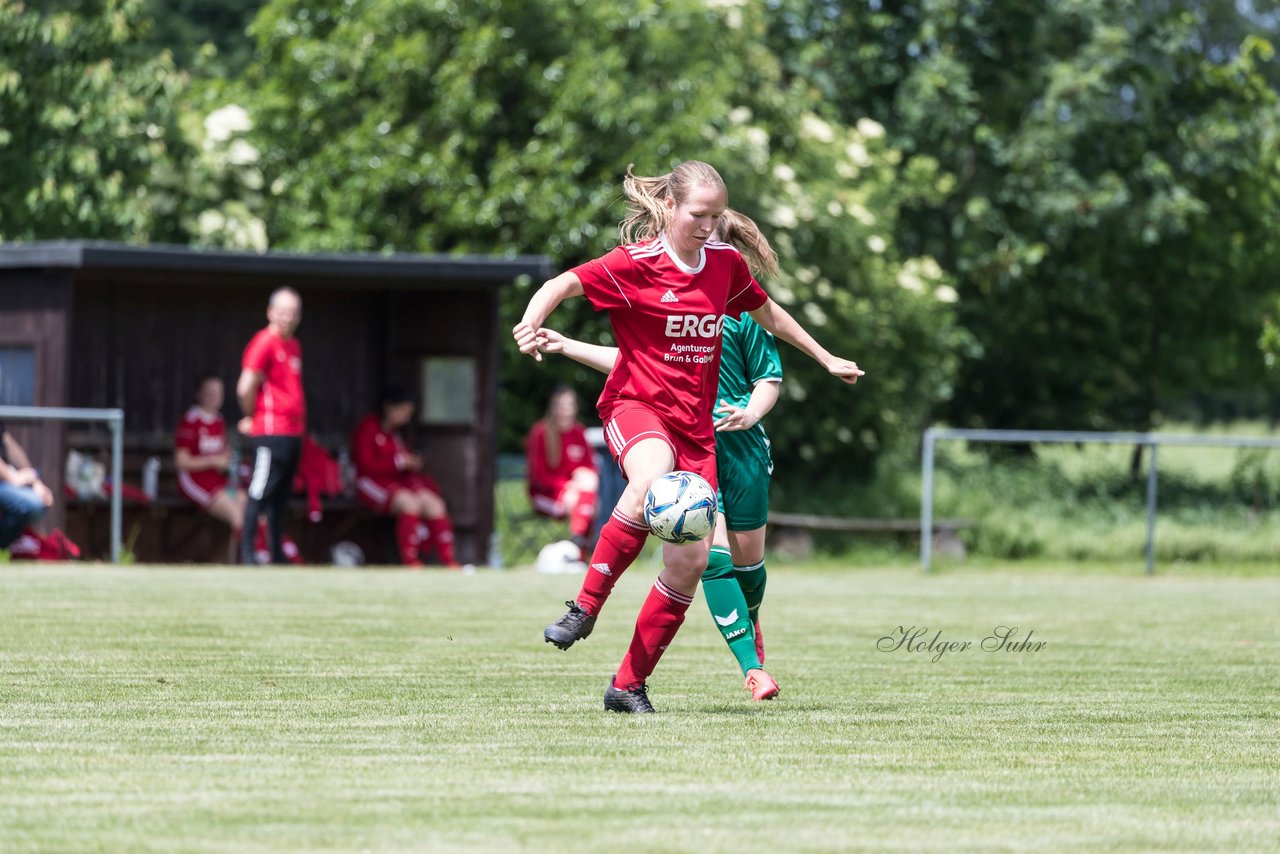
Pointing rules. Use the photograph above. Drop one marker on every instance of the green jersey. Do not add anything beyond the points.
(748, 355)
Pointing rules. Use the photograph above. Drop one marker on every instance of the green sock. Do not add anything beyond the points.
(751, 579)
(729, 608)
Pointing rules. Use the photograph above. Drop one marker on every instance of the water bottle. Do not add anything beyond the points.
(151, 477)
(346, 472)
(233, 469)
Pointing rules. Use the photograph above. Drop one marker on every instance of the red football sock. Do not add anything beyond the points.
(621, 540)
(582, 514)
(442, 535)
(407, 538)
(660, 618)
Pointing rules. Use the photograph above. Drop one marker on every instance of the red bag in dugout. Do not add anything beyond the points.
(318, 475)
(52, 546)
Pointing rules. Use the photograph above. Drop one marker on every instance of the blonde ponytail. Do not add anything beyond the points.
(741, 232)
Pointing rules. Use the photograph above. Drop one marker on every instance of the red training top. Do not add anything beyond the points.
(666, 319)
(377, 453)
(202, 435)
(575, 453)
(280, 409)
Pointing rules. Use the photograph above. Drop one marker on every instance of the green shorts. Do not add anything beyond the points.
(743, 470)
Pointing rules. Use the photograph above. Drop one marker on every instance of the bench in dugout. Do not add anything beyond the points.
(169, 528)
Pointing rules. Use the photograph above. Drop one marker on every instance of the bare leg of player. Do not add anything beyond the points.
(230, 509)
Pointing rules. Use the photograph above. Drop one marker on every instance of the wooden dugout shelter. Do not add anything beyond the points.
(89, 324)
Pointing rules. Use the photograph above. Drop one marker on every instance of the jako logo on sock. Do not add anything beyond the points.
(727, 621)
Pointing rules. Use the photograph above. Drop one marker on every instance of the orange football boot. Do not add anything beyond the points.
(761, 685)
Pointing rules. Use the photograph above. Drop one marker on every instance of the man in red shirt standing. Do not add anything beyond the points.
(275, 415)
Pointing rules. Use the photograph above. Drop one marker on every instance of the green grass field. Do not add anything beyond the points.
(152, 709)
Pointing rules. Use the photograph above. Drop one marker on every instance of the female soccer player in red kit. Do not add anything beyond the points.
(667, 289)
(203, 458)
(389, 479)
(562, 470)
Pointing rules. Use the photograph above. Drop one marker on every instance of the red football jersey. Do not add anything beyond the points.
(575, 453)
(202, 435)
(377, 453)
(666, 319)
(280, 409)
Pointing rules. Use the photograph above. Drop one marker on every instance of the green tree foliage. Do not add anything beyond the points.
(490, 126)
(89, 139)
(188, 28)
(1269, 340)
(1112, 228)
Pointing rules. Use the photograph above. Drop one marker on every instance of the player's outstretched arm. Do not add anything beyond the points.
(596, 356)
(551, 294)
(777, 320)
(763, 398)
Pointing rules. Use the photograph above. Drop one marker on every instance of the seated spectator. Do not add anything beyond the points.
(23, 496)
(203, 459)
(562, 470)
(389, 479)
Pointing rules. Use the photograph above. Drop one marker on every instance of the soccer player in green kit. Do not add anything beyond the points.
(750, 371)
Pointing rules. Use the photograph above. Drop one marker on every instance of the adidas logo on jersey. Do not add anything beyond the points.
(669, 297)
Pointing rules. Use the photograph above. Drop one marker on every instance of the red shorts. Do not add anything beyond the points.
(548, 499)
(376, 493)
(202, 487)
(632, 422)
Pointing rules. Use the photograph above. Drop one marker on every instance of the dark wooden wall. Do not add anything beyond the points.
(33, 312)
(463, 459)
(139, 341)
(140, 344)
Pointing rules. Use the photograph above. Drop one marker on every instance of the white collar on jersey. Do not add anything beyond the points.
(206, 417)
(671, 253)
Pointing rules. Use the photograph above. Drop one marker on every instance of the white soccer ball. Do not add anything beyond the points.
(680, 507)
(560, 558)
(346, 553)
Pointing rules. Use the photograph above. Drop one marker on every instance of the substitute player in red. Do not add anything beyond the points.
(390, 479)
(203, 459)
(275, 417)
(667, 290)
(562, 470)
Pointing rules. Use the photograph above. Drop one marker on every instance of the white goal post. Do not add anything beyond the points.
(1152, 441)
(114, 419)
